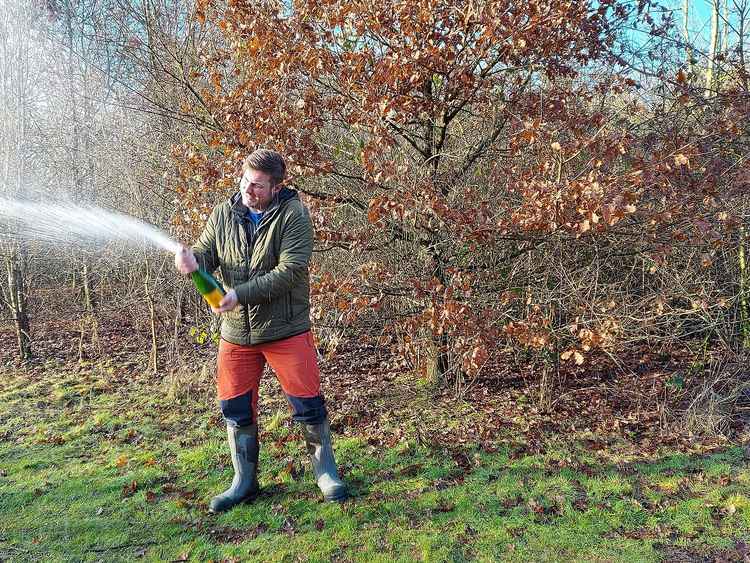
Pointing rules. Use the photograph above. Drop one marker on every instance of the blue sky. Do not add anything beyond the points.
(699, 18)
(699, 21)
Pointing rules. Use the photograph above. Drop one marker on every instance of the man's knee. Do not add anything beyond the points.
(238, 411)
(308, 410)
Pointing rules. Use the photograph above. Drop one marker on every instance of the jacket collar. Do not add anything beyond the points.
(240, 210)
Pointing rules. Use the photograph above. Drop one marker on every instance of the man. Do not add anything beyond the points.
(261, 240)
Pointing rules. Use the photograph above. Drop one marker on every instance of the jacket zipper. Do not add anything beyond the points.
(247, 264)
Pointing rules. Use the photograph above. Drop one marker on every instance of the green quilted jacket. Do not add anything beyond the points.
(267, 265)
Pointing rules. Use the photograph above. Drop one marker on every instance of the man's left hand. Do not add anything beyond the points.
(228, 303)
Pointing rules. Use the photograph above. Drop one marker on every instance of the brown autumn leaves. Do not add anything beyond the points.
(483, 176)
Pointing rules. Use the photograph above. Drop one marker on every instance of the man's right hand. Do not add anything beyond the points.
(184, 261)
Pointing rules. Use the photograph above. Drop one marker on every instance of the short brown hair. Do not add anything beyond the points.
(268, 161)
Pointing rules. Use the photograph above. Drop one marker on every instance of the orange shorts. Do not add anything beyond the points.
(293, 359)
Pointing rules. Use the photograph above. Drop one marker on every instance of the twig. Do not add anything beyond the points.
(121, 546)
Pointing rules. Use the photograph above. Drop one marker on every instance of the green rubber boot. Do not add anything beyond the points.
(243, 444)
(318, 439)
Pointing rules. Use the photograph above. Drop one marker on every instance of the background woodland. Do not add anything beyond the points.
(549, 189)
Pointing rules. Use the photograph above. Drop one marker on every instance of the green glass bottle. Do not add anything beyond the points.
(208, 287)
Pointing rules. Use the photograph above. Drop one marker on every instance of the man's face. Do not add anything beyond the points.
(256, 189)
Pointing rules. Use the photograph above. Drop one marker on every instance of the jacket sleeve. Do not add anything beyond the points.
(294, 257)
(205, 247)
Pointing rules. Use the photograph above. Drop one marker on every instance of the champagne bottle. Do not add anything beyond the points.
(208, 287)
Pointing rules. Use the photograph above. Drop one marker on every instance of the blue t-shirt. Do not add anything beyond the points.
(254, 217)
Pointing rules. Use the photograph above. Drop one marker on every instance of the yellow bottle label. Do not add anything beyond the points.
(214, 298)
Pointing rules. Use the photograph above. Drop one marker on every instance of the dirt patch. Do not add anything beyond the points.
(679, 554)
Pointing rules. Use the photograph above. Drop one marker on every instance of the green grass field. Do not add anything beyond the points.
(95, 466)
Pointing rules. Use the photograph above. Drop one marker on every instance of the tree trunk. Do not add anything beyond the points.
(149, 295)
(741, 25)
(89, 324)
(688, 46)
(713, 50)
(18, 85)
(15, 265)
(437, 361)
(89, 300)
(725, 32)
(744, 304)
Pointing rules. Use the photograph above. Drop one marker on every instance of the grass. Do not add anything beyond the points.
(99, 464)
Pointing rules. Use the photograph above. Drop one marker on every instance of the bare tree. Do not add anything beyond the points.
(713, 48)
(90, 63)
(742, 10)
(688, 46)
(19, 75)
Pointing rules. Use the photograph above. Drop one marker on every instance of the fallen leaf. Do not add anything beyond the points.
(129, 489)
(445, 507)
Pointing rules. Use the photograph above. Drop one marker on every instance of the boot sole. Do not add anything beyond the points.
(338, 498)
(246, 500)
